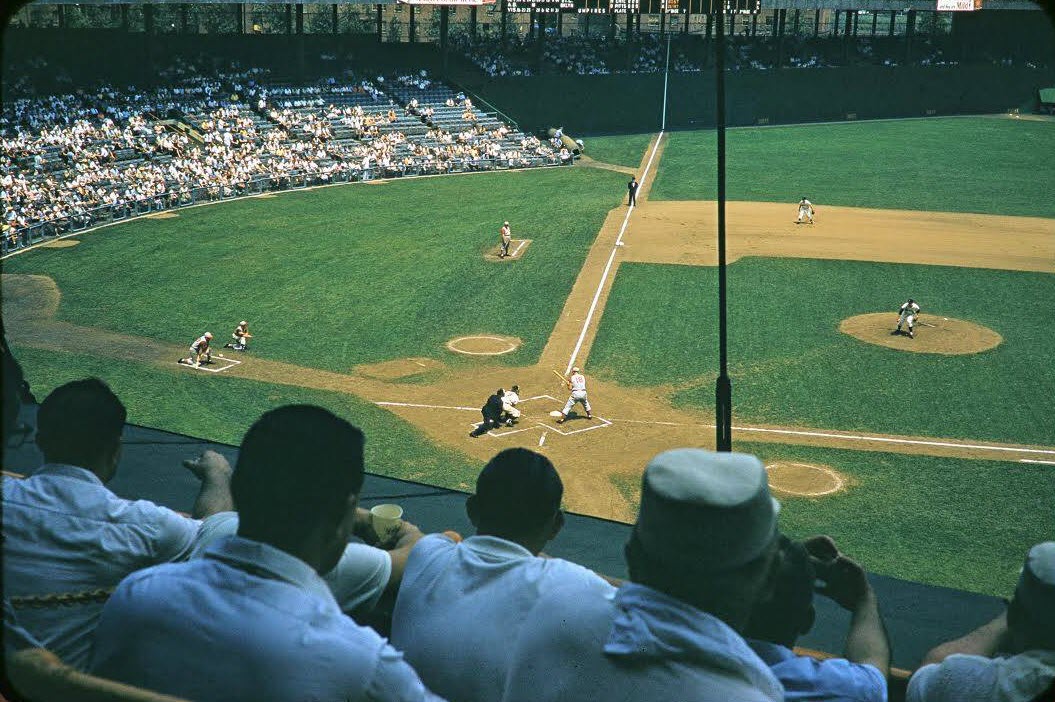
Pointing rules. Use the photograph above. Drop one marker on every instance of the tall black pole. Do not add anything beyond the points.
(724, 387)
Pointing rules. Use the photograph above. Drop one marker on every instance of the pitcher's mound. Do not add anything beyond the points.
(60, 244)
(400, 368)
(934, 334)
(484, 345)
(805, 479)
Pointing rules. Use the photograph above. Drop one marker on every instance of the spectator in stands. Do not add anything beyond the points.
(461, 605)
(68, 540)
(251, 619)
(700, 557)
(1010, 659)
(777, 621)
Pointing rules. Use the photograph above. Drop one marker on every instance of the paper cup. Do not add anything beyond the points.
(386, 519)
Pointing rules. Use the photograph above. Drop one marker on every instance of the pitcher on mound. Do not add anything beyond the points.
(577, 385)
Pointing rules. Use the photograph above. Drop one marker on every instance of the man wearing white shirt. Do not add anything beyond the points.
(1010, 659)
(700, 557)
(461, 606)
(68, 540)
(251, 618)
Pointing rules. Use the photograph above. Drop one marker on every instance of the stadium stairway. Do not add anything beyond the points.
(917, 616)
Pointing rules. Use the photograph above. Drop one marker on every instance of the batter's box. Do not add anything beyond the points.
(517, 248)
(221, 364)
(504, 431)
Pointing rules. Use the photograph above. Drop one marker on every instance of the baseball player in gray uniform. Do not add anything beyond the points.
(907, 314)
(577, 385)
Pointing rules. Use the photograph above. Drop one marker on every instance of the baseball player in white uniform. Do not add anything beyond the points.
(199, 350)
(510, 400)
(241, 337)
(805, 211)
(907, 314)
(506, 235)
(577, 385)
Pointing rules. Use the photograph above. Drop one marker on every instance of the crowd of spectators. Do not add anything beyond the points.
(280, 588)
(95, 155)
(600, 55)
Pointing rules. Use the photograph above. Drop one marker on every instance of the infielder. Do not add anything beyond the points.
(510, 400)
(507, 237)
(241, 337)
(805, 211)
(907, 314)
(577, 384)
(199, 350)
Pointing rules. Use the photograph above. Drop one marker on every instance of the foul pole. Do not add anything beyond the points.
(723, 391)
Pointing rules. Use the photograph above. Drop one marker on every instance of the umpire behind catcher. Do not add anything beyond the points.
(492, 412)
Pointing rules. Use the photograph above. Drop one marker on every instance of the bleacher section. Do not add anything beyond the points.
(73, 161)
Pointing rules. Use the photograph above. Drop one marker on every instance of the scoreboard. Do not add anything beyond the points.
(606, 7)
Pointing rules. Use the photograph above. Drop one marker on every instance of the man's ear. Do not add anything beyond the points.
(807, 621)
(472, 510)
(556, 525)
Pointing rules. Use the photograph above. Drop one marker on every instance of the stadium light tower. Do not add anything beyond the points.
(723, 391)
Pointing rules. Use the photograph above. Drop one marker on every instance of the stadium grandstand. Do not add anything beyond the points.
(159, 583)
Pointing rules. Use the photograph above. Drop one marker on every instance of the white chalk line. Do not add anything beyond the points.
(231, 363)
(611, 259)
(453, 346)
(520, 246)
(788, 432)
(414, 404)
(1027, 460)
(831, 473)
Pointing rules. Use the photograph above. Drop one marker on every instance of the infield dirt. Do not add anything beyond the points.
(631, 425)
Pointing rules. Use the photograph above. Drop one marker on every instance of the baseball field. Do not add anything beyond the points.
(931, 459)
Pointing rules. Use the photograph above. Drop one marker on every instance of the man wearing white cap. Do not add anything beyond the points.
(699, 558)
(507, 237)
(199, 351)
(969, 668)
(577, 384)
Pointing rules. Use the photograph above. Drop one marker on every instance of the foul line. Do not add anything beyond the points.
(859, 437)
(520, 246)
(1027, 460)
(411, 404)
(608, 266)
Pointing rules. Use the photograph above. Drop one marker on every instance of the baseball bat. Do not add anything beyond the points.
(561, 376)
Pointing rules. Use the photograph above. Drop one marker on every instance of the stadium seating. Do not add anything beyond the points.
(72, 161)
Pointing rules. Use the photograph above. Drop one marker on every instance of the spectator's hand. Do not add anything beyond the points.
(843, 580)
(209, 465)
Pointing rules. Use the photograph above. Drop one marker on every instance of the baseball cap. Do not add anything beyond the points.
(706, 510)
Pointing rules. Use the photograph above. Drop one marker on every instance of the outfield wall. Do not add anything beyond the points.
(621, 103)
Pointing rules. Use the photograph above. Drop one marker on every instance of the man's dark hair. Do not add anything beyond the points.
(79, 421)
(788, 612)
(517, 492)
(297, 467)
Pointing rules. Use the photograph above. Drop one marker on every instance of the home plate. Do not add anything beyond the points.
(555, 413)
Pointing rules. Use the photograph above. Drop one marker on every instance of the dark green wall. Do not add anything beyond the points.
(622, 103)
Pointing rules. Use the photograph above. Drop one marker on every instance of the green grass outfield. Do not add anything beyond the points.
(964, 164)
(790, 365)
(956, 523)
(192, 404)
(622, 150)
(334, 277)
